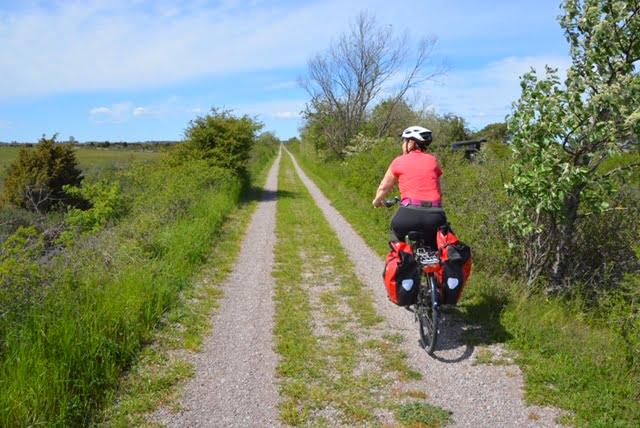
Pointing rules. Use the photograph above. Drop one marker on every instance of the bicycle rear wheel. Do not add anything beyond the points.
(429, 316)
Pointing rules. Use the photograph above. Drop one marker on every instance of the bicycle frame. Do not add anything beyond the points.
(427, 309)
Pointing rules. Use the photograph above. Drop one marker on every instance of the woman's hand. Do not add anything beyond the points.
(377, 202)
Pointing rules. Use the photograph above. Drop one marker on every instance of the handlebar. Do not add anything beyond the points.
(391, 202)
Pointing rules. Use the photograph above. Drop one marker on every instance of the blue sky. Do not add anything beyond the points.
(140, 70)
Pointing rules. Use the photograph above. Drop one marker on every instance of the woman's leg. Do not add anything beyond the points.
(430, 221)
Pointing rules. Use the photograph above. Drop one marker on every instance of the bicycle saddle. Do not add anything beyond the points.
(415, 235)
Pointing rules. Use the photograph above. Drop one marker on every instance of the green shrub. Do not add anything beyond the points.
(107, 203)
(220, 138)
(36, 179)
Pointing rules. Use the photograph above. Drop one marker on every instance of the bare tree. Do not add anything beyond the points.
(366, 62)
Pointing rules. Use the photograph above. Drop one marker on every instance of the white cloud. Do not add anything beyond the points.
(286, 115)
(77, 46)
(125, 111)
(117, 113)
(485, 95)
(282, 85)
(142, 111)
(281, 109)
(99, 110)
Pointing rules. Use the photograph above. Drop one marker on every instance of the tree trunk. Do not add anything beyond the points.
(566, 234)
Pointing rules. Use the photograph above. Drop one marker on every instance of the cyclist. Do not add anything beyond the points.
(418, 175)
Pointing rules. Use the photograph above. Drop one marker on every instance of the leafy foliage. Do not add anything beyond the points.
(107, 203)
(561, 134)
(390, 117)
(219, 138)
(493, 132)
(36, 179)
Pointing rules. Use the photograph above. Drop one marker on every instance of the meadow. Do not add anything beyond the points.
(90, 159)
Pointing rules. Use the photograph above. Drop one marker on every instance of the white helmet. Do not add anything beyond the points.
(418, 133)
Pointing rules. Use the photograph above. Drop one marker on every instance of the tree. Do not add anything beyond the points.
(362, 65)
(35, 180)
(561, 134)
(390, 117)
(493, 132)
(220, 138)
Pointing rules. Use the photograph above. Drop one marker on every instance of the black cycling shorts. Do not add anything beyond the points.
(425, 220)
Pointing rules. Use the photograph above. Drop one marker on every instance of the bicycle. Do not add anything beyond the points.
(427, 307)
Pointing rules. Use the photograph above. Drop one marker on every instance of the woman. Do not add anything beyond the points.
(418, 175)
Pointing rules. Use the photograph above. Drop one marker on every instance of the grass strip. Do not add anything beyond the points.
(337, 366)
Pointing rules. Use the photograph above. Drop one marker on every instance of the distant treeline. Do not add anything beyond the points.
(142, 145)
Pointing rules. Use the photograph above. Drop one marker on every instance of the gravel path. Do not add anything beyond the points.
(234, 383)
(478, 395)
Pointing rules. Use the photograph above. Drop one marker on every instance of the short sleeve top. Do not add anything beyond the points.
(418, 176)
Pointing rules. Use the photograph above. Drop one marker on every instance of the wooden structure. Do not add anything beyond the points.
(470, 147)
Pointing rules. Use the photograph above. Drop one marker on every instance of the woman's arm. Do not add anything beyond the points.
(387, 183)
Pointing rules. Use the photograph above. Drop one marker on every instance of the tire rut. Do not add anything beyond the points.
(234, 376)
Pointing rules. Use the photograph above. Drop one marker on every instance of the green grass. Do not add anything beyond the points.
(573, 365)
(337, 366)
(421, 415)
(569, 360)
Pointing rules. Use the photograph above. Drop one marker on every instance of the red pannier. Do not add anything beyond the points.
(456, 260)
(401, 274)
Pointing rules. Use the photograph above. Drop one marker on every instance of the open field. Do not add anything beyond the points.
(89, 159)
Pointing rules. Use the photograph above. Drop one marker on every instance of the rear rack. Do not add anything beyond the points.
(426, 256)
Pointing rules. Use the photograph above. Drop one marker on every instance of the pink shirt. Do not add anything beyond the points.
(418, 176)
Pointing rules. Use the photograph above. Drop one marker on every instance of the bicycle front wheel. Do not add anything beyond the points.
(428, 316)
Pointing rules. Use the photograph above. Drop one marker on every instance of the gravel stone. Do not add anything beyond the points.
(234, 382)
(478, 395)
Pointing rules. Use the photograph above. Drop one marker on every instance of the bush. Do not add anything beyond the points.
(107, 203)
(12, 217)
(220, 138)
(35, 180)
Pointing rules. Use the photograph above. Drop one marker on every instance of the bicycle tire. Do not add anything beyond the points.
(428, 317)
